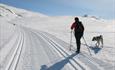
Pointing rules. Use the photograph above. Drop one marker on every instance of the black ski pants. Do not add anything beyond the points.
(78, 36)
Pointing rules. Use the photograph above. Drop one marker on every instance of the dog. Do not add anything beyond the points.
(98, 39)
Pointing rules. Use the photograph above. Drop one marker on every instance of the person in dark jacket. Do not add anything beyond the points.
(78, 32)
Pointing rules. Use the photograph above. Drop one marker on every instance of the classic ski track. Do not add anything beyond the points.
(65, 54)
(62, 50)
(90, 59)
(13, 63)
(34, 41)
(16, 55)
(5, 59)
(58, 47)
(46, 41)
(99, 63)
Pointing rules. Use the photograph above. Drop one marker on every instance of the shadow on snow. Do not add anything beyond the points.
(95, 49)
(59, 65)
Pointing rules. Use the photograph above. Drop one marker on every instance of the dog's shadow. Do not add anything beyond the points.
(95, 49)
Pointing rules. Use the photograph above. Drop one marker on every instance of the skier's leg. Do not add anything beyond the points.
(78, 45)
(77, 41)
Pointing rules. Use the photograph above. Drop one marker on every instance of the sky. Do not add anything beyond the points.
(100, 8)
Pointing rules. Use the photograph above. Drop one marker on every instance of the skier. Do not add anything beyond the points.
(78, 32)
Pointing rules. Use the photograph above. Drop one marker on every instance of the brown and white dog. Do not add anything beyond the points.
(98, 39)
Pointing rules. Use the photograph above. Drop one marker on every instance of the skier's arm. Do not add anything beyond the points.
(72, 26)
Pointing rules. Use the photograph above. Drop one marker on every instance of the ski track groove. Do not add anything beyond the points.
(42, 39)
(13, 53)
(49, 51)
(62, 52)
(96, 66)
(16, 55)
(26, 61)
(100, 64)
(37, 40)
(69, 55)
(65, 54)
(50, 43)
(40, 48)
(5, 59)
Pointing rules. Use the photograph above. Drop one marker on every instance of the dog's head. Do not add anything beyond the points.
(94, 38)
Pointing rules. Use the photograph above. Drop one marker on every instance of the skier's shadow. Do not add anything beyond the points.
(95, 49)
(59, 65)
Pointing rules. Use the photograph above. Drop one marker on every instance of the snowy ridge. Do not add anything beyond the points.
(19, 12)
(7, 13)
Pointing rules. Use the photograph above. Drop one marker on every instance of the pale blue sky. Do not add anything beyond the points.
(100, 8)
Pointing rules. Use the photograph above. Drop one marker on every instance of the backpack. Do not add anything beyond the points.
(79, 27)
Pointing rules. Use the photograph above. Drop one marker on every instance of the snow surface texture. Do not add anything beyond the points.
(33, 41)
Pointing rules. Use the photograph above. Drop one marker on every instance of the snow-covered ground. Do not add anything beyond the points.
(33, 41)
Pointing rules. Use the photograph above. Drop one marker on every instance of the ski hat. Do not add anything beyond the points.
(76, 19)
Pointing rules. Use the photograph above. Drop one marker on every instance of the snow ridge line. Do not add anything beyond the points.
(16, 55)
(7, 9)
(63, 53)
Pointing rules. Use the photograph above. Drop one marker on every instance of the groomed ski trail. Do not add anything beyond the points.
(37, 50)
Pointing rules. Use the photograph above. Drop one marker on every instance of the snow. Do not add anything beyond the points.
(34, 41)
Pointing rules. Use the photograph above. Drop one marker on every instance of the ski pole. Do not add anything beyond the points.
(87, 45)
(70, 40)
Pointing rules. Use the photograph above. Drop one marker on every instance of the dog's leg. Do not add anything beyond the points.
(99, 43)
(102, 42)
(96, 44)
